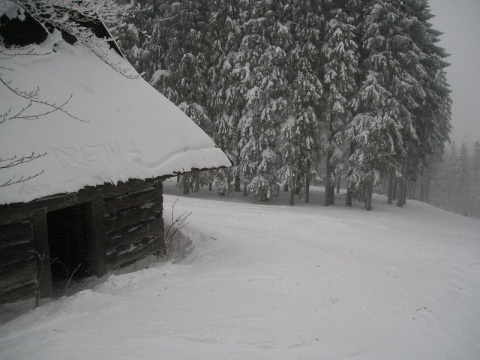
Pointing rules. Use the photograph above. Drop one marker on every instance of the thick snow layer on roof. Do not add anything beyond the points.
(123, 128)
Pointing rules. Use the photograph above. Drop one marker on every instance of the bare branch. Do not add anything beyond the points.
(21, 179)
(67, 287)
(19, 160)
(14, 51)
(33, 97)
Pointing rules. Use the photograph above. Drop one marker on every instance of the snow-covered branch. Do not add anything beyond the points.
(79, 20)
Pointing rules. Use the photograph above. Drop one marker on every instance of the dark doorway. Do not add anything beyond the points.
(67, 244)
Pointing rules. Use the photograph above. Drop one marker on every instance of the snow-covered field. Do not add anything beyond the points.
(279, 282)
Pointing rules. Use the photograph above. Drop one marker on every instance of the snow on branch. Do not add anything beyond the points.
(78, 19)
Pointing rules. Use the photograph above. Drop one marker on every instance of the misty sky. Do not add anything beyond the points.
(460, 22)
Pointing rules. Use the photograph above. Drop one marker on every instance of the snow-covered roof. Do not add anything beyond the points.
(120, 129)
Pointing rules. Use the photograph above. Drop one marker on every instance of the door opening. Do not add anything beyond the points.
(67, 239)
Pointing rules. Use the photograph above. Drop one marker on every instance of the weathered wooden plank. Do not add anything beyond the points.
(128, 217)
(16, 254)
(16, 233)
(132, 234)
(14, 275)
(159, 243)
(111, 190)
(95, 230)
(128, 200)
(13, 213)
(22, 291)
(43, 252)
(131, 252)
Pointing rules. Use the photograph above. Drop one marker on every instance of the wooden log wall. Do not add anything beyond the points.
(18, 261)
(133, 224)
(124, 223)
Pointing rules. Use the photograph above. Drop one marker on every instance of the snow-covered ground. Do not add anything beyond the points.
(279, 282)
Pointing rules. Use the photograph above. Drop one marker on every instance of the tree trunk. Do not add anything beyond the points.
(237, 184)
(427, 185)
(245, 190)
(395, 187)
(339, 179)
(369, 195)
(229, 180)
(349, 197)
(285, 187)
(292, 189)
(292, 196)
(402, 186)
(328, 183)
(307, 183)
(348, 200)
(298, 175)
(186, 184)
(210, 186)
(390, 188)
(298, 187)
(263, 197)
(422, 190)
(400, 192)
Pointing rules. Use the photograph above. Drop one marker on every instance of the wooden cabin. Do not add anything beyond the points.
(81, 186)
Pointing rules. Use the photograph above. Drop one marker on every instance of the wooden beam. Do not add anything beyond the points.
(140, 249)
(16, 234)
(128, 217)
(132, 234)
(40, 231)
(125, 201)
(16, 275)
(160, 242)
(23, 291)
(95, 232)
(110, 190)
(16, 254)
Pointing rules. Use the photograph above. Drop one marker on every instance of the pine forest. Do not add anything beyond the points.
(298, 92)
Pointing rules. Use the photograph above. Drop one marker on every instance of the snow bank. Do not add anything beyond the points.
(120, 129)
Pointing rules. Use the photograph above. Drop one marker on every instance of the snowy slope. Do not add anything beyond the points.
(279, 282)
(122, 129)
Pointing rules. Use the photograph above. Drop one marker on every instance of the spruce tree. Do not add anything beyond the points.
(432, 103)
(226, 102)
(260, 62)
(383, 124)
(143, 39)
(299, 137)
(340, 70)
